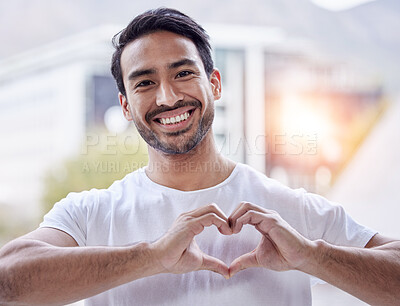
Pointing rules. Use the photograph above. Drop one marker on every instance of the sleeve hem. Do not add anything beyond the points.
(366, 236)
(64, 229)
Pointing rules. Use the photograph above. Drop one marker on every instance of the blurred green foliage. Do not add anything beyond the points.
(13, 223)
(104, 158)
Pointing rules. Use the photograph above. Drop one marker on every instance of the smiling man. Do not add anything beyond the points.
(162, 235)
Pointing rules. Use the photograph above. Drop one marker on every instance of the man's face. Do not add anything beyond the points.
(168, 94)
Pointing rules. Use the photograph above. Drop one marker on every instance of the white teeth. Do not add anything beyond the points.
(173, 120)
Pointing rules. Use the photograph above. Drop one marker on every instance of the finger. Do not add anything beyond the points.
(243, 208)
(198, 224)
(230, 220)
(263, 222)
(213, 264)
(209, 208)
(245, 261)
(237, 208)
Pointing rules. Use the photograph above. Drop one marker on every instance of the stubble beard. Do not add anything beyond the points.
(180, 142)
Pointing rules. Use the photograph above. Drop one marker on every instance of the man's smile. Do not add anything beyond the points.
(175, 119)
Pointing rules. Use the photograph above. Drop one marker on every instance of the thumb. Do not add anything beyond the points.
(245, 261)
(213, 264)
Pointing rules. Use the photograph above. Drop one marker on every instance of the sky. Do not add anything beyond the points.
(339, 5)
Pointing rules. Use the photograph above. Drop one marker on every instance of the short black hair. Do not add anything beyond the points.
(160, 19)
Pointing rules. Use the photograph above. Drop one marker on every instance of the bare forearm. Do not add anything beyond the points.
(373, 275)
(35, 272)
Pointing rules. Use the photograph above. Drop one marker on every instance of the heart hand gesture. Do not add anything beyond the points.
(281, 247)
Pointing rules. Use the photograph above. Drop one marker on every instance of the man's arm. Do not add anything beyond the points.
(47, 267)
(35, 271)
(372, 274)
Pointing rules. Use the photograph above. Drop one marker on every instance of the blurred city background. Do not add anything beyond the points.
(310, 98)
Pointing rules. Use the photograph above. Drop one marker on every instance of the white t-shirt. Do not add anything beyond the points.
(137, 209)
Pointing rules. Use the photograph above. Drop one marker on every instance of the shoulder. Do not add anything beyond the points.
(117, 191)
(130, 182)
(261, 183)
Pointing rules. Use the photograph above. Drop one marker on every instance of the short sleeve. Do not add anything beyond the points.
(71, 214)
(330, 222)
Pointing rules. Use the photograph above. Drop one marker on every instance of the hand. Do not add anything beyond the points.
(281, 247)
(178, 252)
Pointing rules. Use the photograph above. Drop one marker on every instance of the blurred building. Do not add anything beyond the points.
(317, 113)
(304, 114)
(277, 94)
(48, 98)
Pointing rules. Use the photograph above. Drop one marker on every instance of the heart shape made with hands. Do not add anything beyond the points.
(278, 248)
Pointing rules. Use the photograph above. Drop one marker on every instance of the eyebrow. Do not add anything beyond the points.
(138, 73)
(183, 62)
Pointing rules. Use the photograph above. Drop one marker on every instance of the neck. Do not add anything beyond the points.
(202, 167)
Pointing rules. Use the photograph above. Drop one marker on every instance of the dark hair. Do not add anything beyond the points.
(160, 19)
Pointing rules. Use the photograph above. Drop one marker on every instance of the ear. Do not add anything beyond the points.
(125, 107)
(215, 80)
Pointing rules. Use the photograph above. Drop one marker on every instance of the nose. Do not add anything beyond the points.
(167, 94)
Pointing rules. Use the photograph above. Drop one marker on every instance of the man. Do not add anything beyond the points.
(122, 246)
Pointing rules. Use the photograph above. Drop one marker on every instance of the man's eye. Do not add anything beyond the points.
(144, 83)
(183, 74)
